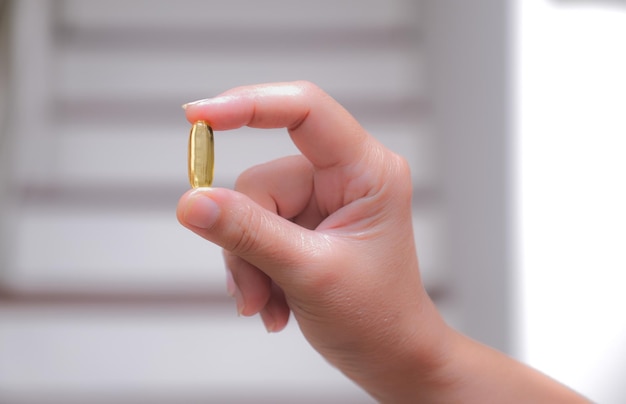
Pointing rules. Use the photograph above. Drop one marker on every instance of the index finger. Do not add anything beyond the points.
(320, 127)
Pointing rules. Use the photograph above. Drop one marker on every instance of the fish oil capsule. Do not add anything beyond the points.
(201, 155)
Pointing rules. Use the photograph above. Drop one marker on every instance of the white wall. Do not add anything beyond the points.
(570, 68)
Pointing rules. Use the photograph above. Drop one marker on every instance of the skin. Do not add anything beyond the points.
(326, 236)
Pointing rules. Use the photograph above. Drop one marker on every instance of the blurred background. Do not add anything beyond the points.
(104, 297)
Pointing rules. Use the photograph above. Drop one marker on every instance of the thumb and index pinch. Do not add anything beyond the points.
(325, 133)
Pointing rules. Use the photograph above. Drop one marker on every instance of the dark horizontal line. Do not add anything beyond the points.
(102, 197)
(189, 299)
(116, 197)
(180, 298)
(238, 39)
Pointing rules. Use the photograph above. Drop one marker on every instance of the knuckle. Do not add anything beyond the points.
(403, 170)
(399, 176)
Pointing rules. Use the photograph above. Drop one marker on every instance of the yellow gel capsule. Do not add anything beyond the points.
(201, 155)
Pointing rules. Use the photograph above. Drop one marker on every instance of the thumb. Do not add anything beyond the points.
(236, 223)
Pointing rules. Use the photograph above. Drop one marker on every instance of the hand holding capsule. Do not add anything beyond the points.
(327, 235)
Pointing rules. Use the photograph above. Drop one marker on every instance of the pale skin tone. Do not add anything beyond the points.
(326, 236)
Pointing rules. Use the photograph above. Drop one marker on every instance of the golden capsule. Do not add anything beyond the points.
(201, 155)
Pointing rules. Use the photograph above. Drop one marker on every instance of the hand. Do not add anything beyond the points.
(327, 236)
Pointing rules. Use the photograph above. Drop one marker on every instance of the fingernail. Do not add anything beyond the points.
(184, 106)
(234, 292)
(240, 302)
(268, 321)
(201, 211)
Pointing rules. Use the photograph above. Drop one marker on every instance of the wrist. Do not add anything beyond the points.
(412, 366)
(471, 372)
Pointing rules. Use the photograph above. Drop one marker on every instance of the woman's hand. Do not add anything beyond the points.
(327, 236)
